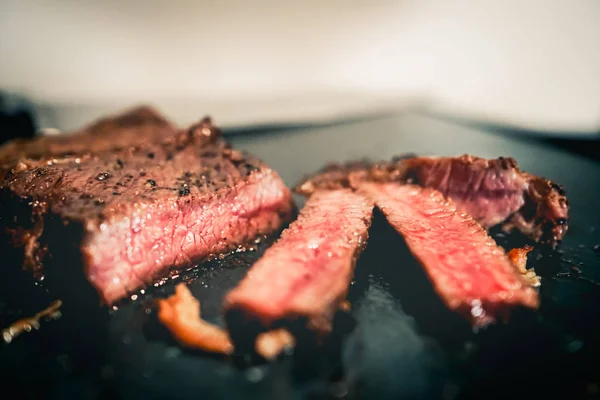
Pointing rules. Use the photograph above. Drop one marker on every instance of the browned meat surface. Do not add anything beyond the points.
(470, 272)
(180, 314)
(493, 191)
(128, 215)
(306, 273)
(518, 257)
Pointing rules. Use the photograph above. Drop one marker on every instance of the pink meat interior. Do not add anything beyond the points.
(489, 194)
(308, 270)
(126, 254)
(468, 269)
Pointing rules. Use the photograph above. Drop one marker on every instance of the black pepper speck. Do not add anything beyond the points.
(184, 191)
(102, 176)
(252, 168)
(558, 188)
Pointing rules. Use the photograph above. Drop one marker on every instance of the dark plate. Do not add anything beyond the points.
(400, 342)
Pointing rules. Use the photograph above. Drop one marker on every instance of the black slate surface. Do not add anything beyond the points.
(400, 341)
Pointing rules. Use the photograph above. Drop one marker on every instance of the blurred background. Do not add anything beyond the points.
(532, 66)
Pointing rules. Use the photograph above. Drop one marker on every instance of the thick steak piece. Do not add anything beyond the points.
(127, 212)
(306, 273)
(493, 191)
(470, 272)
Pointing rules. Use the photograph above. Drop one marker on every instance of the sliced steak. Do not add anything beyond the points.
(470, 272)
(306, 273)
(127, 215)
(492, 191)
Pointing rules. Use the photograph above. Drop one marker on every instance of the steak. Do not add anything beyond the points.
(306, 273)
(470, 272)
(493, 191)
(142, 199)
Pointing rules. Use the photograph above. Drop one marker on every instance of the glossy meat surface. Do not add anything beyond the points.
(470, 272)
(306, 273)
(493, 191)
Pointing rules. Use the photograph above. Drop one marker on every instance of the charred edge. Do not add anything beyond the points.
(546, 209)
(345, 175)
(505, 163)
(77, 293)
(31, 247)
(402, 168)
(22, 222)
(332, 176)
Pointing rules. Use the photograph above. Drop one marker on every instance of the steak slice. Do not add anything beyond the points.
(127, 215)
(493, 191)
(306, 273)
(470, 272)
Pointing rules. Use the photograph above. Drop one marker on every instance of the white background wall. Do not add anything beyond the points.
(534, 63)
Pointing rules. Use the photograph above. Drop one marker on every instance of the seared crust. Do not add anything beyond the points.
(129, 160)
(534, 205)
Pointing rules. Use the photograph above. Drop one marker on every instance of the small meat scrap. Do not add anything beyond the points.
(345, 306)
(470, 272)
(272, 343)
(307, 272)
(29, 324)
(180, 314)
(492, 191)
(518, 257)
